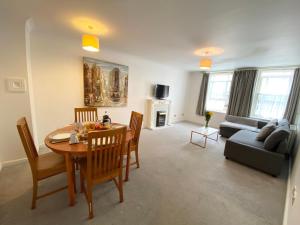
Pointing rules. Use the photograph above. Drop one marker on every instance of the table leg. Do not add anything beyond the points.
(191, 137)
(127, 162)
(69, 167)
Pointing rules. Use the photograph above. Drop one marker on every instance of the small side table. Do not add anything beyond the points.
(206, 132)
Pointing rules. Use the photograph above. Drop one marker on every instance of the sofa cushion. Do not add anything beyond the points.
(239, 126)
(283, 122)
(275, 121)
(274, 139)
(266, 131)
(241, 120)
(247, 137)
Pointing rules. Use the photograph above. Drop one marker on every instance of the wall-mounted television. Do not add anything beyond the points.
(161, 91)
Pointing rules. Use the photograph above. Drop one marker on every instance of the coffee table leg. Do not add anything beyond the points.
(205, 137)
(69, 167)
(202, 146)
(191, 137)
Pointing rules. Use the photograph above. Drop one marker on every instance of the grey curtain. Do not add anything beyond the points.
(202, 95)
(291, 107)
(241, 92)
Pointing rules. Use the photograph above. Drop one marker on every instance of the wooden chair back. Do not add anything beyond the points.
(85, 114)
(27, 142)
(104, 155)
(136, 121)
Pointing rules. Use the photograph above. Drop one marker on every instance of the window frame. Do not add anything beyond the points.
(257, 87)
(218, 73)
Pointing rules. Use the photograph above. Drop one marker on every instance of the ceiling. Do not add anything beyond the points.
(252, 32)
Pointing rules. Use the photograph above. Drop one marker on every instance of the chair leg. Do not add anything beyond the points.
(34, 193)
(90, 202)
(127, 166)
(81, 182)
(137, 158)
(120, 188)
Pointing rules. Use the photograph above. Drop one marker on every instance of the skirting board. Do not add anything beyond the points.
(287, 197)
(13, 162)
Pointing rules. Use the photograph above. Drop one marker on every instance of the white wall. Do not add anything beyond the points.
(293, 216)
(13, 105)
(58, 81)
(192, 95)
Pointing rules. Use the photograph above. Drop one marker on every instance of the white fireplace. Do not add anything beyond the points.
(158, 113)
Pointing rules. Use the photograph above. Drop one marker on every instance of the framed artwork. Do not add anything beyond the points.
(105, 83)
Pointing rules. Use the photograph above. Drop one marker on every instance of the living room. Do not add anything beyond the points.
(223, 78)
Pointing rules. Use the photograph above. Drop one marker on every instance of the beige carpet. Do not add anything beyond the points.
(178, 184)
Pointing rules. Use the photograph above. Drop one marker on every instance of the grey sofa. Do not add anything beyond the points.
(243, 147)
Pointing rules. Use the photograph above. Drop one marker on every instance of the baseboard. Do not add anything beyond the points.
(13, 162)
(287, 197)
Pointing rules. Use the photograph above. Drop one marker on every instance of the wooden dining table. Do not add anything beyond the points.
(70, 151)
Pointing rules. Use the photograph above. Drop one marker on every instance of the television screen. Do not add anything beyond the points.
(161, 91)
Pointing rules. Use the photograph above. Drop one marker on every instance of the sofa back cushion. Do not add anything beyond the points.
(283, 122)
(274, 139)
(241, 120)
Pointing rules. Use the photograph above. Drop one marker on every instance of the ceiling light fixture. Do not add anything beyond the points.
(209, 51)
(90, 43)
(205, 64)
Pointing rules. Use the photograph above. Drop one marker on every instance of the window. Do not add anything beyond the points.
(271, 93)
(218, 92)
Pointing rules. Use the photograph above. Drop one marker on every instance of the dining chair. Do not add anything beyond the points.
(104, 162)
(85, 114)
(135, 125)
(42, 166)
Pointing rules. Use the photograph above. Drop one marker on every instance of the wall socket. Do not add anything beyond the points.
(294, 194)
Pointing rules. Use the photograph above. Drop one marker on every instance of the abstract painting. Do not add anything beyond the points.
(105, 83)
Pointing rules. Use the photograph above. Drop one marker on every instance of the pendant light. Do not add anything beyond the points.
(205, 64)
(90, 43)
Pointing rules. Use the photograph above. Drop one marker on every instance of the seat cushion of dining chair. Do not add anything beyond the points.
(50, 164)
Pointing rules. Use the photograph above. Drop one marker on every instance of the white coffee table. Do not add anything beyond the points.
(206, 132)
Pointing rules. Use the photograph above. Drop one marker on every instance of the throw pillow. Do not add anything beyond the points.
(265, 131)
(283, 122)
(275, 121)
(276, 137)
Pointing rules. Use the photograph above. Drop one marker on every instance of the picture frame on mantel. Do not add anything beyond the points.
(105, 83)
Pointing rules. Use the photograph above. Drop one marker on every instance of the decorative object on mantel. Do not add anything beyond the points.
(105, 83)
(208, 116)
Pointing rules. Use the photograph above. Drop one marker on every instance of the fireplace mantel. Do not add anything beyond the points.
(153, 106)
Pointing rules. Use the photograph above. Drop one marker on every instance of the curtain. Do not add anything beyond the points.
(241, 92)
(291, 106)
(200, 110)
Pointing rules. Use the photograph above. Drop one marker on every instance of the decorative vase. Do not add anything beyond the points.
(206, 124)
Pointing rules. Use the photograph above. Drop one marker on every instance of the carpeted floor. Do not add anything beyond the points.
(178, 183)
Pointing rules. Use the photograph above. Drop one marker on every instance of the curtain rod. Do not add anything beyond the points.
(258, 68)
